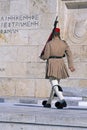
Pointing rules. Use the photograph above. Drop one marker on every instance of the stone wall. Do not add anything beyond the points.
(24, 28)
(73, 23)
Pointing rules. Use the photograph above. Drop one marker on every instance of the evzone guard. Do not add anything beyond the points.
(54, 52)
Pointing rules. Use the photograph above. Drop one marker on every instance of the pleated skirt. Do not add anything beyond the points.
(56, 68)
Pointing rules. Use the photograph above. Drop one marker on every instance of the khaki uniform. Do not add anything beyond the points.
(56, 67)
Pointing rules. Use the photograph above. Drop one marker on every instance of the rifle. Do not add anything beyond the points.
(51, 35)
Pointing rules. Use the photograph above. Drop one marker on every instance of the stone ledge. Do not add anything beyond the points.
(71, 101)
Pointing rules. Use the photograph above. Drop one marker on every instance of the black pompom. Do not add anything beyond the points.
(44, 102)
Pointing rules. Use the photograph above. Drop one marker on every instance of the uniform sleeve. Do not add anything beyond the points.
(69, 56)
(46, 54)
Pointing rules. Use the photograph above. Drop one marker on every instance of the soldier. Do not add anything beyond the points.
(56, 69)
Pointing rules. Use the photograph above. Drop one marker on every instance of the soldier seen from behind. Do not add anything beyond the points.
(56, 69)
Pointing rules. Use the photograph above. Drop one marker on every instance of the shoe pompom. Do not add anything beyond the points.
(44, 102)
(58, 105)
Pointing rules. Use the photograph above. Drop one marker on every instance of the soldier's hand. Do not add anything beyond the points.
(72, 69)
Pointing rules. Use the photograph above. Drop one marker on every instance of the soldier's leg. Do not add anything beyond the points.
(59, 92)
(48, 103)
(51, 96)
(57, 89)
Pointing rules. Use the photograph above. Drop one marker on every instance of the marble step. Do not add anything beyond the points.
(82, 103)
(71, 101)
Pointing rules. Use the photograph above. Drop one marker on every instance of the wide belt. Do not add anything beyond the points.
(59, 57)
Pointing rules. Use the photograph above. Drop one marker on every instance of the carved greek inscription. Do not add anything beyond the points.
(12, 24)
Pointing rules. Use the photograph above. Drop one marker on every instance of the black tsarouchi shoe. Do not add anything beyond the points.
(45, 104)
(61, 104)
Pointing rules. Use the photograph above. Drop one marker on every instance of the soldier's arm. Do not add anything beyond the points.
(69, 58)
(46, 54)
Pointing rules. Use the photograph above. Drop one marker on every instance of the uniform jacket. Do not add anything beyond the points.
(56, 67)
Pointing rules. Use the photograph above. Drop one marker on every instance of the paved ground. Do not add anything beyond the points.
(34, 114)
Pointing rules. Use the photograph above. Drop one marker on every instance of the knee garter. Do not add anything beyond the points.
(59, 88)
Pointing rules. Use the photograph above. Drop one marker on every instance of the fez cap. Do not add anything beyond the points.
(57, 29)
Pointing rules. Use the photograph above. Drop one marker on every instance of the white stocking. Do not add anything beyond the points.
(54, 84)
(51, 96)
(58, 93)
